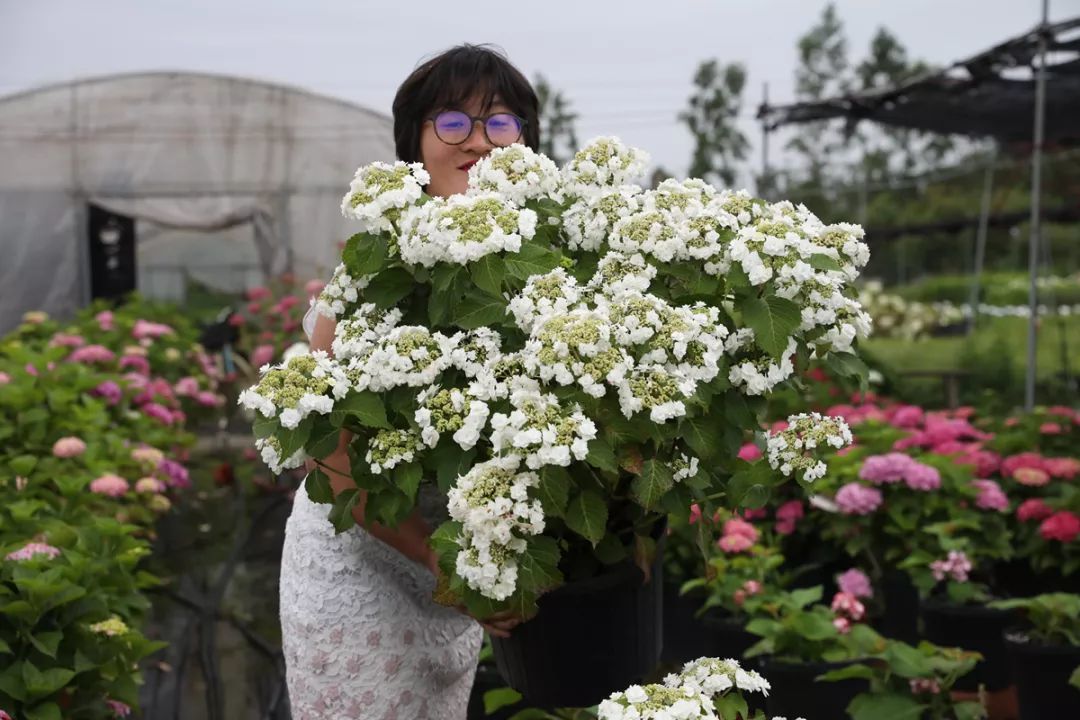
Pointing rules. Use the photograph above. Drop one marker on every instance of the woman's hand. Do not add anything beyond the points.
(498, 625)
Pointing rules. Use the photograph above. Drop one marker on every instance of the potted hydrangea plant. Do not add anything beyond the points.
(568, 357)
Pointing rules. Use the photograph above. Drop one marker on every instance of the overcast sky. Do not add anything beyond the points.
(626, 65)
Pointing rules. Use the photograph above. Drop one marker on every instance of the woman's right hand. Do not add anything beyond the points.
(498, 625)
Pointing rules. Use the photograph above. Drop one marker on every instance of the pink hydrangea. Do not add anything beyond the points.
(146, 329)
(842, 625)
(140, 364)
(104, 320)
(175, 474)
(986, 462)
(65, 340)
(158, 412)
(256, 294)
(755, 513)
(29, 550)
(734, 543)
(1028, 459)
(1050, 428)
(209, 399)
(788, 515)
(1066, 468)
(110, 391)
(920, 476)
(4, 378)
(1031, 477)
(738, 526)
(695, 513)
(847, 605)
(1062, 526)
(236, 320)
(92, 354)
(262, 355)
(118, 708)
(854, 582)
(856, 499)
(907, 416)
(956, 565)
(186, 387)
(1033, 509)
(887, 468)
(990, 496)
(111, 485)
(749, 452)
(68, 447)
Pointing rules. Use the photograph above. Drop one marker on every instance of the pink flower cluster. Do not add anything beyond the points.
(1033, 509)
(738, 536)
(1064, 468)
(893, 467)
(29, 550)
(68, 447)
(924, 685)
(111, 485)
(990, 496)
(118, 708)
(109, 391)
(1062, 526)
(956, 566)
(147, 329)
(105, 320)
(848, 610)
(939, 429)
(856, 499)
(788, 515)
(92, 354)
(857, 414)
(749, 588)
(855, 582)
(65, 340)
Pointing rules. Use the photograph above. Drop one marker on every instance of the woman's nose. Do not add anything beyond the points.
(477, 141)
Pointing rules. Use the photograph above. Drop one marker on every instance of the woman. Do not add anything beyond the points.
(361, 635)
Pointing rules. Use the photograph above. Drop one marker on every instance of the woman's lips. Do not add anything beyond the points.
(467, 165)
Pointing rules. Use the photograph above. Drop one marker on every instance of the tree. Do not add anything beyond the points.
(558, 138)
(712, 119)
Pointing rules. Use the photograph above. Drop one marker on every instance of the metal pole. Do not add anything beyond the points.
(980, 238)
(1036, 193)
(766, 182)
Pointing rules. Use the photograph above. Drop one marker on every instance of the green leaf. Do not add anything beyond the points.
(701, 436)
(731, 706)
(877, 706)
(601, 455)
(499, 698)
(11, 682)
(813, 626)
(906, 661)
(554, 490)
(365, 406)
(40, 684)
(1074, 679)
(847, 672)
(821, 261)
(407, 479)
(44, 711)
(848, 365)
(341, 515)
(749, 487)
(538, 565)
(444, 542)
(587, 515)
(532, 260)
(4, 647)
(738, 412)
(264, 427)
(488, 273)
(365, 254)
(318, 487)
(610, 550)
(47, 642)
(295, 439)
(324, 437)
(389, 287)
(478, 310)
(772, 319)
(23, 464)
(655, 480)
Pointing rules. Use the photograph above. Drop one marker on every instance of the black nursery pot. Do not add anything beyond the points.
(726, 635)
(1041, 673)
(685, 635)
(590, 638)
(972, 627)
(795, 693)
(900, 620)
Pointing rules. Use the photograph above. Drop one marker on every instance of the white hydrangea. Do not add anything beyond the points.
(293, 390)
(357, 334)
(342, 291)
(799, 447)
(270, 451)
(660, 392)
(408, 355)
(684, 466)
(380, 191)
(463, 228)
(657, 702)
(589, 219)
(604, 162)
(618, 274)
(712, 676)
(759, 375)
(541, 430)
(389, 448)
(575, 347)
(443, 410)
(517, 173)
(475, 350)
(552, 293)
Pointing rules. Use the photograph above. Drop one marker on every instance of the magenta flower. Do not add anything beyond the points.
(788, 515)
(108, 390)
(854, 582)
(186, 387)
(889, 468)
(145, 329)
(856, 499)
(749, 452)
(158, 412)
(140, 364)
(986, 462)
(262, 355)
(1028, 459)
(907, 416)
(922, 477)
(111, 485)
(104, 320)
(1033, 509)
(738, 526)
(990, 496)
(209, 399)
(956, 566)
(695, 513)
(119, 709)
(68, 447)
(4, 378)
(1062, 526)
(92, 354)
(1050, 428)
(847, 605)
(256, 294)
(29, 550)
(734, 543)
(175, 474)
(1066, 468)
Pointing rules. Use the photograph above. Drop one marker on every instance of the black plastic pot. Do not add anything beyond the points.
(795, 693)
(726, 635)
(1041, 673)
(972, 627)
(900, 620)
(685, 636)
(589, 639)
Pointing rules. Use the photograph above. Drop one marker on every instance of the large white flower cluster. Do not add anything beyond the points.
(357, 334)
(798, 448)
(463, 228)
(390, 448)
(516, 174)
(541, 430)
(380, 191)
(492, 503)
(449, 410)
(342, 291)
(407, 355)
(270, 452)
(293, 390)
(604, 162)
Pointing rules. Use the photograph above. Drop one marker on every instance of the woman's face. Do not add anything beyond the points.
(449, 165)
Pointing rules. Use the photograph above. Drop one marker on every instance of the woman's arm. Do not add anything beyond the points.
(410, 538)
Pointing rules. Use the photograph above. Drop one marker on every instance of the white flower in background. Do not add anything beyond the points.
(588, 221)
(390, 448)
(541, 431)
(342, 291)
(380, 191)
(604, 162)
(799, 447)
(712, 676)
(462, 229)
(357, 334)
(552, 293)
(443, 410)
(492, 504)
(518, 173)
(657, 702)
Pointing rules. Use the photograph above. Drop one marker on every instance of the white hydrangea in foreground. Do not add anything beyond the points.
(342, 290)
(270, 452)
(517, 173)
(604, 162)
(390, 448)
(463, 228)
(541, 431)
(798, 448)
(293, 390)
(450, 410)
(380, 191)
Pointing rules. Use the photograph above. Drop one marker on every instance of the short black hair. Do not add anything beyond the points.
(449, 80)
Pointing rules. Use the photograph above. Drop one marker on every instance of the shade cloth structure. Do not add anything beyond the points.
(176, 151)
(991, 94)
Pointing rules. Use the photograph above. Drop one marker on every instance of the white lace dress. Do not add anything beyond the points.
(361, 635)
